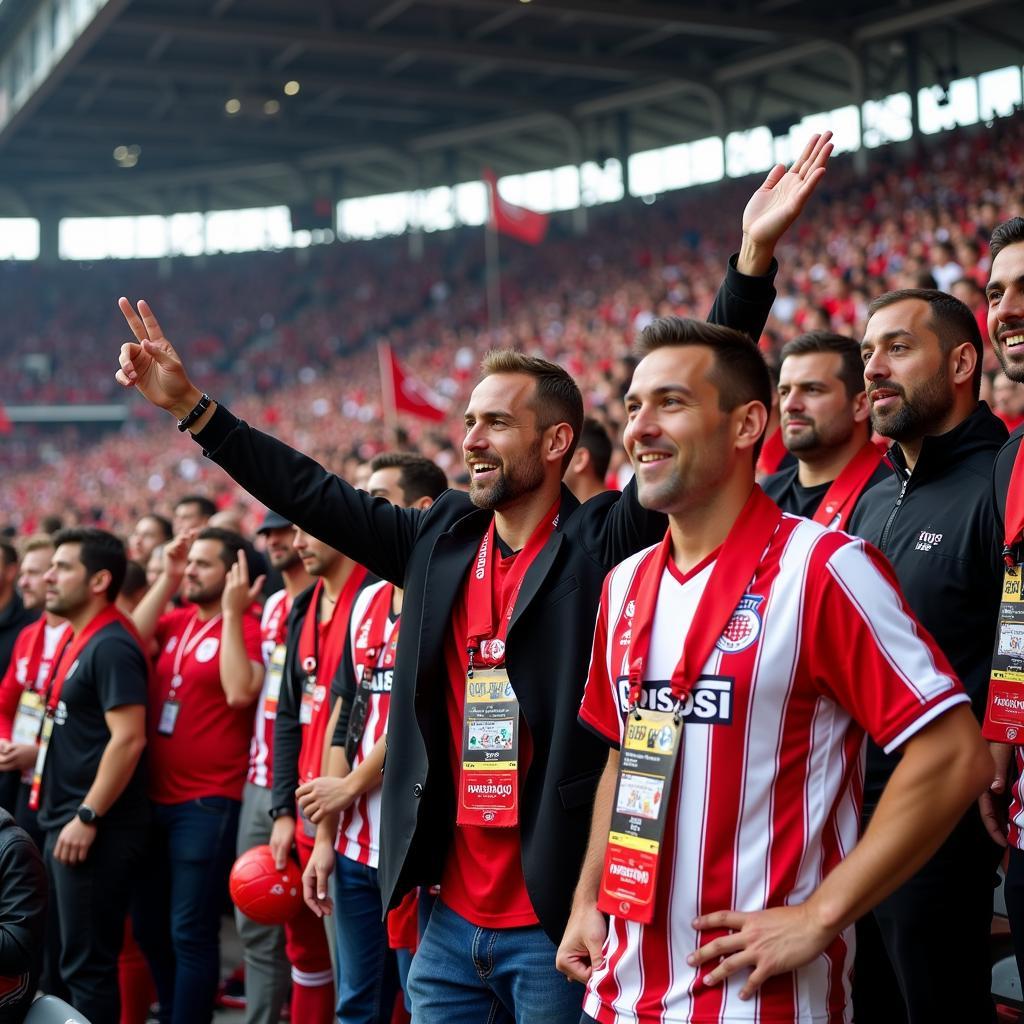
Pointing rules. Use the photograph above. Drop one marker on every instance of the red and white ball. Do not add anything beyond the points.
(261, 891)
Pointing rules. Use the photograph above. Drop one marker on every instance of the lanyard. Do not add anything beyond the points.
(836, 507)
(184, 648)
(485, 637)
(1014, 525)
(734, 568)
(34, 659)
(309, 638)
(70, 651)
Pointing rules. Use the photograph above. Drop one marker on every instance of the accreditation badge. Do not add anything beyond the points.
(1004, 716)
(647, 764)
(489, 781)
(275, 673)
(29, 718)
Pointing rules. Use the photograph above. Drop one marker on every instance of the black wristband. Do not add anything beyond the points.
(281, 812)
(200, 407)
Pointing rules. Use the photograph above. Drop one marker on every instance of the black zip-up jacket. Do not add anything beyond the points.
(23, 895)
(428, 553)
(937, 526)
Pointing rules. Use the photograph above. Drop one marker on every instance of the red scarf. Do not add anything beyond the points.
(841, 498)
(487, 634)
(735, 566)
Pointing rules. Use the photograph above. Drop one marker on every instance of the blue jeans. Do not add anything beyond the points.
(367, 971)
(463, 974)
(182, 896)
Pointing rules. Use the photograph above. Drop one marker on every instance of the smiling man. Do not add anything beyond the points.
(825, 423)
(934, 519)
(500, 593)
(724, 836)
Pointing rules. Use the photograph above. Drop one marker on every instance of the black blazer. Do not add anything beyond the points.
(549, 640)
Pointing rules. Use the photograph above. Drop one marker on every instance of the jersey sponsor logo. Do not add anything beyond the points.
(926, 540)
(708, 703)
(207, 650)
(744, 627)
(380, 681)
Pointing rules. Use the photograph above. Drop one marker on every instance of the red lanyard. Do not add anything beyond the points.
(70, 652)
(370, 635)
(842, 496)
(35, 654)
(484, 636)
(309, 638)
(734, 568)
(184, 648)
(1014, 516)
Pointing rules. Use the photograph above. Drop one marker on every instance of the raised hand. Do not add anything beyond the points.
(151, 366)
(176, 554)
(239, 594)
(780, 200)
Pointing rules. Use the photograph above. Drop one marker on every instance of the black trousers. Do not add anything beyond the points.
(91, 902)
(935, 926)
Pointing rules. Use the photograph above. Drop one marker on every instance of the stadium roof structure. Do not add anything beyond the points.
(404, 94)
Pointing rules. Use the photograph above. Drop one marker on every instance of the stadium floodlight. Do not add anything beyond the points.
(271, 107)
(233, 106)
(291, 88)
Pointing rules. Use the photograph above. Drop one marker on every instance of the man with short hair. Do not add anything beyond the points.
(724, 842)
(263, 946)
(934, 519)
(503, 582)
(315, 644)
(14, 617)
(825, 423)
(1005, 294)
(150, 531)
(23, 687)
(206, 678)
(349, 790)
(589, 464)
(88, 783)
(192, 513)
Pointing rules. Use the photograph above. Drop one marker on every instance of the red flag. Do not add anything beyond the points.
(516, 221)
(403, 393)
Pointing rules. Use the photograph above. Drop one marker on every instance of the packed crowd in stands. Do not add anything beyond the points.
(287, 338)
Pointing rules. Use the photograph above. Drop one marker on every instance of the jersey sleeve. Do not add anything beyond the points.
(869, 652)
(599, 711)
(120, 673)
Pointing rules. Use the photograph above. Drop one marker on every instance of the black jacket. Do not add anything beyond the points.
(549, 640)
(22, 919)
(287, 727)
(937, 526)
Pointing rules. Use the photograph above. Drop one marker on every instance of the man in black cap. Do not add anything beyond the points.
(266, 965)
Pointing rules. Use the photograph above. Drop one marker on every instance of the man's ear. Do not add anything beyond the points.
(99, 582)
(559, 441)
(750, 421)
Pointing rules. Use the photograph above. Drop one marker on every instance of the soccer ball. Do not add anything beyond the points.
(263, 893)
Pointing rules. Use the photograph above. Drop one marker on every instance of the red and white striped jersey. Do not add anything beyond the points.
(272, 637)
(359, 828)
(821, 648)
